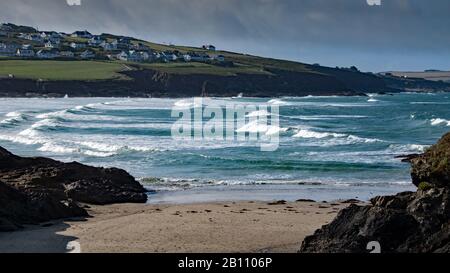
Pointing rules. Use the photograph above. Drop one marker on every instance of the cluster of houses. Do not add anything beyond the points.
(84, 45)
(28, 51)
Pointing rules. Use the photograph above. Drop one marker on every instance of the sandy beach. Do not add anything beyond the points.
(213, 227)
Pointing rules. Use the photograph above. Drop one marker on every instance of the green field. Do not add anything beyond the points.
(203, 68)
(61, 70)
(236, 63)
(244, 63)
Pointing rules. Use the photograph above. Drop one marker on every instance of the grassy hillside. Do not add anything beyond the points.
(236, 63)
(244, 63)
(61, 70)
(203, 68)
(100, 70)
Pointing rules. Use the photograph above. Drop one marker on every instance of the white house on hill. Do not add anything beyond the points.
(134, 56)
(25, 51)
(187, 58)
(77, 45)
(50, 44)
(8, 50)
(32, 37)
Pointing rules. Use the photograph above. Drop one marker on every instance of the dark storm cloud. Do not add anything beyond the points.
(301, 29)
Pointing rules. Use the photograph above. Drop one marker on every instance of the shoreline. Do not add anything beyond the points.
(231, 227)
(143, 95)
(268, 193)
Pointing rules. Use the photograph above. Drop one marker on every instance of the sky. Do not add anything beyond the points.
(408, 35)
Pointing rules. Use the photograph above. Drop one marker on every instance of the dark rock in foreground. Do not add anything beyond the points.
(35, 190)
(414, 222)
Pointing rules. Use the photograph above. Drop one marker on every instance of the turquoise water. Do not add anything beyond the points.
(330, 147)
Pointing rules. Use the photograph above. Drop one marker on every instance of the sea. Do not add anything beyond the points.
(330, 148)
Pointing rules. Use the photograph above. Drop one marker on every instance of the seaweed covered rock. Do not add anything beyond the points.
(433, 167)
(415, 222)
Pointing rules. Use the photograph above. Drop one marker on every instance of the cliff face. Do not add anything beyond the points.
(146, 83)
(34, 190)
(415, 222)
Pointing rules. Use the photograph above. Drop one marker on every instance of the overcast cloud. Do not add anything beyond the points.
(399, 34)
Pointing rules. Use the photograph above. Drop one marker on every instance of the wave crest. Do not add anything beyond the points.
(440, 121)
(345, 138)
(14, 119)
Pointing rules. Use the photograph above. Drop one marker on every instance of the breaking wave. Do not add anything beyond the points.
(175, 184)
(326, 117)
(304, 133)
(13, 119)
(277, 102)
(259, 113)
(258, 127)
(407, 148)
(340, 139)
(440, 121)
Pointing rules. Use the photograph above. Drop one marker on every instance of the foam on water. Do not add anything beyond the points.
(326, 117)
(277, 102)
(304, 133)
(327, 145)
(336, 138)
(440, 121)
(259, 113)
(13, 119)
(259, 127)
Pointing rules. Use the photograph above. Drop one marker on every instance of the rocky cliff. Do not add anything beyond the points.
(34, 190)
(415, 222)
(275, 82)
(152, 83)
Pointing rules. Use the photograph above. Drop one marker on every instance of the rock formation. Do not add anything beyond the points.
(414, 222)
(35, 190)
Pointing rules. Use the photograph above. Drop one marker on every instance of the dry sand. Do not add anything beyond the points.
(215, 227)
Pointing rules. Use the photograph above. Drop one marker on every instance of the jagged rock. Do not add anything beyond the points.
(34, 190)
(415, 222)
(434, 165)
(407, 158)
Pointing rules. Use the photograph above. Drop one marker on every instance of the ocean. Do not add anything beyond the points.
(330, 147)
